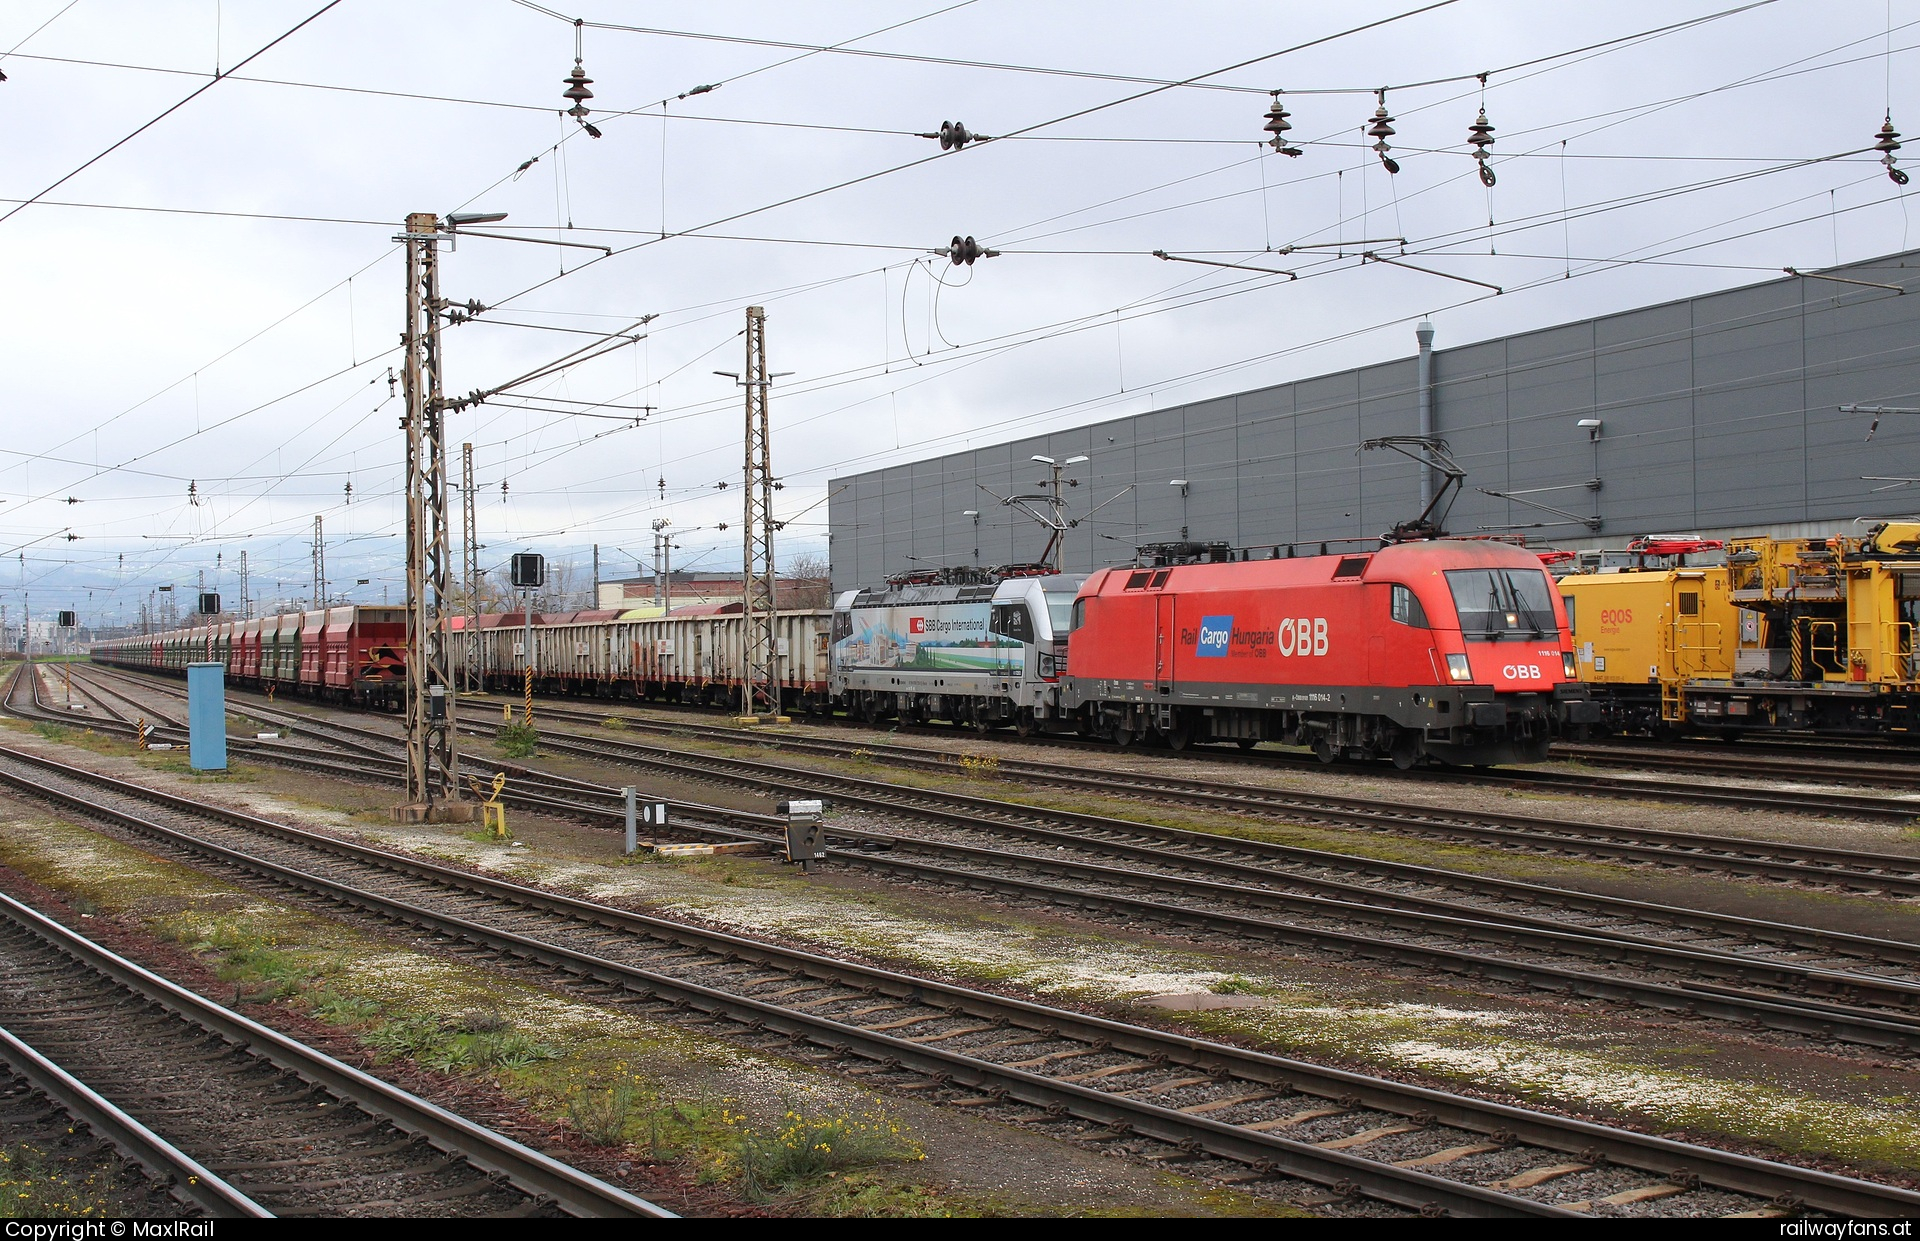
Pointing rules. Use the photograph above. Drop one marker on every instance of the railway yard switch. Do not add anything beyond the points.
(806, 834)
(493, 812)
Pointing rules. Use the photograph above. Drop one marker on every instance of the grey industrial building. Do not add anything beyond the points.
(1716, 414)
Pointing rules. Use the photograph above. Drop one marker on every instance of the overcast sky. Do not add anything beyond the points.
(205, 383)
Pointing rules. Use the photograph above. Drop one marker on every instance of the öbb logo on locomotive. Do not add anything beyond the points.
(1304, 635)
(1523, 672)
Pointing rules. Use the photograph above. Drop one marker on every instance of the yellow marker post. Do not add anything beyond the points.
(140, 732)
(529, 717)
(493, 814)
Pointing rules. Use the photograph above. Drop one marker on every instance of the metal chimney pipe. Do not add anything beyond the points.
(1423, 332)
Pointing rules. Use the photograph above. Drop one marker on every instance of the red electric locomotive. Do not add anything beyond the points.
(1454, 648)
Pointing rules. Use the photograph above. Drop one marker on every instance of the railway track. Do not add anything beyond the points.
(1863, 991)
(1897, 774)
(259, 1123)
(1857, 870)
(1216, 1109)
(1861, 870)
(97, 1149)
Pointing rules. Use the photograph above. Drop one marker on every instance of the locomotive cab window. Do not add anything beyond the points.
(1406, 608)
(1061, 615)
(1079, 613)
(1493, 603)
(1012, 620)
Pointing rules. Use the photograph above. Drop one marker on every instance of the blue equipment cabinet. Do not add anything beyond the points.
(207, 717)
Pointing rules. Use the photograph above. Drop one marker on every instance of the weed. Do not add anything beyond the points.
(344, 1010)
(614, 724)
(1234, 985)
(517, 739)
(481, 1021)
(247, 958)
(602, 1114)
(29, 1189)
(803, 1148)
(873, 1195)
(984, 765)
(451, 1048)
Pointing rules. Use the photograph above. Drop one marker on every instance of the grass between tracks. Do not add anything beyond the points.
(769, 1132)
(31, 1187)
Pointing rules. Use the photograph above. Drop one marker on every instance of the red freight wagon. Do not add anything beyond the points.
(312, 631)
(246, 651)
(372, 666)
(1455, 648)
(336, 648)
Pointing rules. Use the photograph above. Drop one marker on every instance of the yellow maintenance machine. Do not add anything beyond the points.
(1642, 633)
(1788, 634)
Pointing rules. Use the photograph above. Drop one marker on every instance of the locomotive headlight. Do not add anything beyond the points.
(1566, 664)
(1457, 668)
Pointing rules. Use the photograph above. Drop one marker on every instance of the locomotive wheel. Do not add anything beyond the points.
(1406, 752)
(1325, 750)
(1122, 736)
(1024, 724)
(1180, 738)
(1247, 743)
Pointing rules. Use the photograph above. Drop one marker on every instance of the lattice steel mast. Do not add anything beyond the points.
(433, 764)
(470, 565)
(319, 564)
(760, 689)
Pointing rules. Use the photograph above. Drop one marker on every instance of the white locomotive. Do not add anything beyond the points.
(984, 647)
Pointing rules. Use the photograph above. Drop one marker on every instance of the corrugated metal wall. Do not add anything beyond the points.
(1719, 412)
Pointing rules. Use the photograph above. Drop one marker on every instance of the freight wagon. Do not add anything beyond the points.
(691, 655)
(346, 654)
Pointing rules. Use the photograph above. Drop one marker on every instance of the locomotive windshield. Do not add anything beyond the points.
(1496, 602)
(1060, 614)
